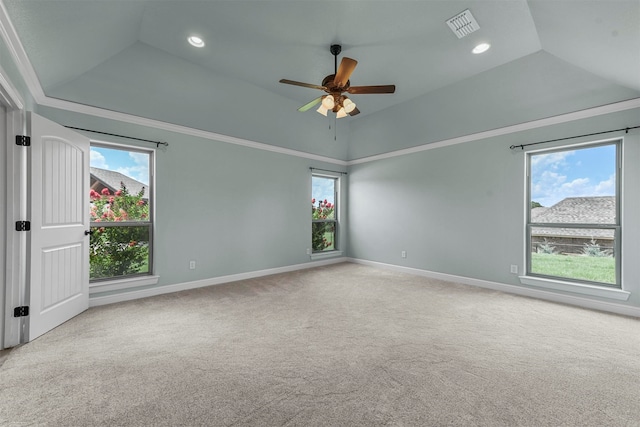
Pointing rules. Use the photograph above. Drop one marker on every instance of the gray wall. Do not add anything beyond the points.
(232, 209)
(534, 87)
(460, 209)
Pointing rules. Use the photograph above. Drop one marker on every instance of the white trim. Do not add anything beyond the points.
(157, 124)
(10, 36)
(325, 255)
(549, 121)
(144, 293)
(580, 301)
(119, 284)
(16, 243)
(8, 93)
(577, 288)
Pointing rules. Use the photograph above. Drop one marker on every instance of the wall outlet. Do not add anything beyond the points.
(403, 254)
(192, 265)
(308, 251)
(514, 269)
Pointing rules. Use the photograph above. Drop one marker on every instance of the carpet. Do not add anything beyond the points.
(341, 345)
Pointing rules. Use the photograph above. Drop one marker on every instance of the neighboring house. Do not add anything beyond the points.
(103, 178)
(592, 210)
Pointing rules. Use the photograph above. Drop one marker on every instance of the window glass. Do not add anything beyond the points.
(573, 221)
(120, 210)
(323, 213)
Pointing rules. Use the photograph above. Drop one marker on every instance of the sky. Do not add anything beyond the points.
(322, 188)
(130, 163)
(583, 172)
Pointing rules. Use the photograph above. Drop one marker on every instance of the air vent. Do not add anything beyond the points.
(463, 24)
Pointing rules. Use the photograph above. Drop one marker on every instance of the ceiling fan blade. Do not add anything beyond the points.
(372, 89)
(309, 85)
(347, 65)
(354, 112)
(310, 105)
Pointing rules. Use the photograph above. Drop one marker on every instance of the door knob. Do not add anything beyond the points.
(88, 232)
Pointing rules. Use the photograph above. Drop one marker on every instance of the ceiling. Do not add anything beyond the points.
(133, 57)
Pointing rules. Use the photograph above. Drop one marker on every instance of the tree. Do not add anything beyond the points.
(118, 250)
(320, 230)
(535, 205)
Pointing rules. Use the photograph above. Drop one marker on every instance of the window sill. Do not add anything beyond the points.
(576, 288)
(323, 255)
(118, 284)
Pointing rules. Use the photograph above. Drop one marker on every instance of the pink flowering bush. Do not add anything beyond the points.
(118, 251)
(322, 233)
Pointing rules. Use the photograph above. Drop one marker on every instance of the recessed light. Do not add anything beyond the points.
(196, 41)
(481, 48)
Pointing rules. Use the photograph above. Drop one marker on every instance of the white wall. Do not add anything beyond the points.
(460, 209)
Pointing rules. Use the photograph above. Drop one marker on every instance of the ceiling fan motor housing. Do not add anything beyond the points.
(328, 82)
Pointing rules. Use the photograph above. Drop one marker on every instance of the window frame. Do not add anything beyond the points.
(617, 227)
(106, 284)
(335, 220)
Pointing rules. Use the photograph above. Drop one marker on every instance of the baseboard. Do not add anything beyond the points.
(159, 290)
(580, 301)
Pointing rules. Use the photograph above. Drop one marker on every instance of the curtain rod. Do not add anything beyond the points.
(158, 143)
(327, 170)
(626, 130)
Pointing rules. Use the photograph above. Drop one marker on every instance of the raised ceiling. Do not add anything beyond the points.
(133, 57)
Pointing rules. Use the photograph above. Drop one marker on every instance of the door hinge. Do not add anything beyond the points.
(23, 225)
(23, 140)
(21, 311)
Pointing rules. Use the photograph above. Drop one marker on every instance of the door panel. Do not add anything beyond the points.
(59, 249)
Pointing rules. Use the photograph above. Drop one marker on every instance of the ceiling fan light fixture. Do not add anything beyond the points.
(328, 102)
(341, 113)
(481, 48)
(322, 110)
(195, 41)
(348, 105)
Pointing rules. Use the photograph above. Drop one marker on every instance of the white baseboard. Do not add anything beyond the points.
(580, 301)
(610, 307)
(149, 292)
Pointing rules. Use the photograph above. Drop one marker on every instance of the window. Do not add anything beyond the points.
(573, 230)
(121, 212)
(324, 213)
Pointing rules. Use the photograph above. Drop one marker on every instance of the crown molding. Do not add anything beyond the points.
(549, 121)
(10, 36)
(8, 93)
(184, 130)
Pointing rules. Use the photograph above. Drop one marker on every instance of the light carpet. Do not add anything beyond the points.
(342, 345)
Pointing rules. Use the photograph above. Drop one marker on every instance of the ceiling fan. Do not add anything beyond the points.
(335, 85)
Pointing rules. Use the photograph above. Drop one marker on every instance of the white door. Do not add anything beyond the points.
(59, 249)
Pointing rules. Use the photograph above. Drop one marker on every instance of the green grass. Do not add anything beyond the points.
(595, 269)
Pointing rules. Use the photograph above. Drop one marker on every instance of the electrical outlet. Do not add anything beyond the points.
(514, 269)
(192, 265)
(308, 251)
(404, 254)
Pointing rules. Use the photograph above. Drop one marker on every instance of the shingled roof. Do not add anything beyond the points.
(576, 210)
(112, 180)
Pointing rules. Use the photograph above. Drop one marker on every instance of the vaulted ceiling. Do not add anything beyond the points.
(546, 58)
